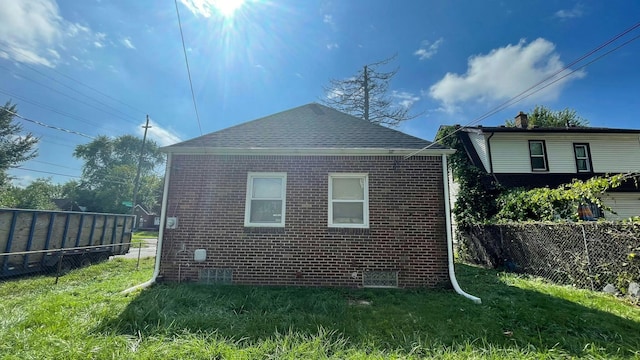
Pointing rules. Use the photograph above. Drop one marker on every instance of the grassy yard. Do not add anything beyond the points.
(85, 316)
(138, 237)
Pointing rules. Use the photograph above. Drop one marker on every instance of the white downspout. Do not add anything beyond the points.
(447, 210)
(163, 216)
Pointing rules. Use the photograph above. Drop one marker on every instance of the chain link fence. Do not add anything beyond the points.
(585, 255)
(58, 262)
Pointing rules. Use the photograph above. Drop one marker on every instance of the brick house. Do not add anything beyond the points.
(309, 196)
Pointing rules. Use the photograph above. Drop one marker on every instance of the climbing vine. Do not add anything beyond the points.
(476, 200)
(561, 203)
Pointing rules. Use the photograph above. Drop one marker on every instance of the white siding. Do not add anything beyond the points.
(480, 144)
(625, 204)
(610, 153)
(619, 155)
(510, 155)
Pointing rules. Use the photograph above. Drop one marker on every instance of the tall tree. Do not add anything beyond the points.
(366, 95)
(542, 116)
(38, 195)
(14, 146)
(109, 170)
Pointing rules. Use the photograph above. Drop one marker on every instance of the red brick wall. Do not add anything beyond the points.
(406, 216)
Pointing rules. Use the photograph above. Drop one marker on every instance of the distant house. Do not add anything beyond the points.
(536, 157)
(145, 219)
(309, 196)
(67, 205)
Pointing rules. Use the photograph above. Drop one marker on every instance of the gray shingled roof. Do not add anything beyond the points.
(311, 126)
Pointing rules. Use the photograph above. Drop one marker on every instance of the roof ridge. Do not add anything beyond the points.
(311, 125)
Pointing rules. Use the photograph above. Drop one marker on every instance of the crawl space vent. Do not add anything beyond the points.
(216, 276)
(381, 279)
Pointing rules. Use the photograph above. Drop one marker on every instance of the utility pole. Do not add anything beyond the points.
(137, 181)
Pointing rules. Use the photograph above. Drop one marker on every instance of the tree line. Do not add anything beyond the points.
(108, 172)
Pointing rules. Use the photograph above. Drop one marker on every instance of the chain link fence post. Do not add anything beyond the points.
(586, 252)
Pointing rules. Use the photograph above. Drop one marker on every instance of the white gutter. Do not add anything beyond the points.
(447, 211)
(163, 216)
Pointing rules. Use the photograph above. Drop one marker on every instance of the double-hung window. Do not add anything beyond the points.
(538, 155)
(266, 199)
(348, 200)
(583, 157)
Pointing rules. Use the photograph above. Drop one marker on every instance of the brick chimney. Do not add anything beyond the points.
(522, 121)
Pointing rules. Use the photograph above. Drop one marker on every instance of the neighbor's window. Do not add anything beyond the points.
(266, 199)
(583, 161)
(538, 155)
(349, 200)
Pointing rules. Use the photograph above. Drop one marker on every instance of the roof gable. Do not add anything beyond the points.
(311, 126)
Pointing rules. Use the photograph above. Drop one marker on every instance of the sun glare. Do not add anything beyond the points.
(227, 8)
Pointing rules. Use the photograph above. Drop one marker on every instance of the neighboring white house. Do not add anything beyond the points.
(537, 157)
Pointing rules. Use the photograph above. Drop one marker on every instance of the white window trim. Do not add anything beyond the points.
(365, 201)
(247, 207)
(542, 156)
(586, 157)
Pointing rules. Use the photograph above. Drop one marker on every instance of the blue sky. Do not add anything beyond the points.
(97, 67)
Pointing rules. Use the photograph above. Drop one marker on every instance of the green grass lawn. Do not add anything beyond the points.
(138, 237)
(85, 316)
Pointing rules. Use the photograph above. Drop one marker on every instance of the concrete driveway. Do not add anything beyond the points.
(148, 250)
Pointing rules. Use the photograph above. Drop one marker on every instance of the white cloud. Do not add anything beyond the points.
(575, 12)
(405, 98)
(328, 19)
(22, 181)
(159, 134)
(127, 43)
(198, 7)
(427, 49)
(332, 46)
(99, 39)
(207, 8)
(33, 31)
(504, 73)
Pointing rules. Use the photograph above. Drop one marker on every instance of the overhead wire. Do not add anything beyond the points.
(71, 97)
(53, 110)
(130, 119)
(47, 125)
(547, 81)
(186, 60)
(27, 55)
(60, 174)
(57, 165)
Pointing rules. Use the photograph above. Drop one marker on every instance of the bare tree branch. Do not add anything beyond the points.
(366, 95)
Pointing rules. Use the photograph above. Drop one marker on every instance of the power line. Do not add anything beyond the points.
(46, 125)
(58, 165)
(535, 88)
(70, 97)
(64, 85)
(49, 108)
(27, 55)
(45, 172)
(59, 174)
(186, 60)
